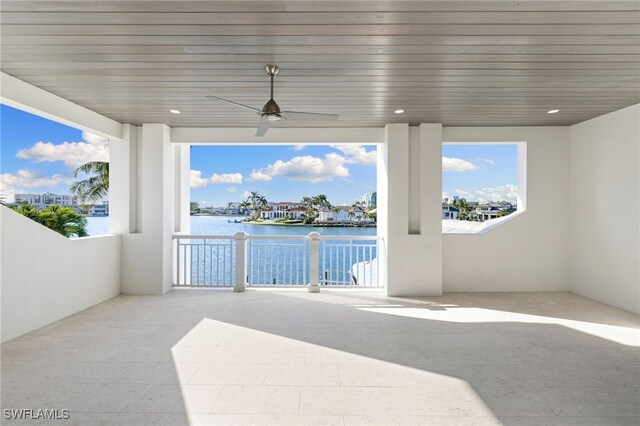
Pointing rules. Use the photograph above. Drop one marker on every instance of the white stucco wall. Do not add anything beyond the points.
(410, 223)
(46, 277)
(530, 252)
(147, 258)
(605, 204)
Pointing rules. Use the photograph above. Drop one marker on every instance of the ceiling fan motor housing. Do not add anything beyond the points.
(272, 70)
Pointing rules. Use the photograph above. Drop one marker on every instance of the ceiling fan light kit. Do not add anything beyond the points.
(271, 112)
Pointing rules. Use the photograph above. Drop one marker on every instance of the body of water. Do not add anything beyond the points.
(97, 226)
(210, 262)
(220, 225)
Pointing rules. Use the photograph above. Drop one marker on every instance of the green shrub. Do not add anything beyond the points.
(63, 220)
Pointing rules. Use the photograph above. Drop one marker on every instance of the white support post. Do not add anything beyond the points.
(241, 262)
(314, 262)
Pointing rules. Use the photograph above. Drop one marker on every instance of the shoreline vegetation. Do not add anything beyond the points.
(314, 211)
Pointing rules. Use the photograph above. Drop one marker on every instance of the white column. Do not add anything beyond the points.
(241, 262)
(414, 253)
(314, 262)
(123, 182)
(147, 265)
(182, 160)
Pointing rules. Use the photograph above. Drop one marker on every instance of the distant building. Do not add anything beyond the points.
(448, 211)
(283, 209)
(488, 211)
(99, 210)
(370, 200)
(342, 215)
(46, 199)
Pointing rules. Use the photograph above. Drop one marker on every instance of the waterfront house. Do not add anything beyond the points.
(449, 211)
(343, 215)
(283, 210)
(100, 209)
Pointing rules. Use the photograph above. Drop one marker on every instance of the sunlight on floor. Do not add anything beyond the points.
(245, 371)
(623, 335)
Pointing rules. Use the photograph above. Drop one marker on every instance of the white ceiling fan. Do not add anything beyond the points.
(271, 112)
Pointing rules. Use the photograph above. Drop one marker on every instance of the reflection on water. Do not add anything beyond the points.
(220, 225)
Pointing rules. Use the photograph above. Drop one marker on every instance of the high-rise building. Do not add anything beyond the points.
(370, 199)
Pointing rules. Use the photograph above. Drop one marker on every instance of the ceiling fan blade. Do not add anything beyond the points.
(309, 116)
(263, 127)
(236, 104)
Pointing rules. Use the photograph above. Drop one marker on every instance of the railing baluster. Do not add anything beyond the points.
(283, 261)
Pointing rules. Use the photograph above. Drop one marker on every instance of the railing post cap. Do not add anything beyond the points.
(241, 235)
(314, 235)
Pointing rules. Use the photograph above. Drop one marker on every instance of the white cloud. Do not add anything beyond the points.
(298, 147)
(305, 168)
(507, 192)
(456, 165)
(73, 154)
(445, 195)
(24, 178)
(196, 180)
(259, 176)
(246, 194)
(231, 189)
(11, 183)
(226, 178)
(357, 154)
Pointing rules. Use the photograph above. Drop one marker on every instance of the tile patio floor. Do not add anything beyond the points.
(334, 358)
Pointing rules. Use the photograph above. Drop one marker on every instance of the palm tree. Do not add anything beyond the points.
(257, 202)
(322, 201)
(336, 211)
(464, 208)
(351, 213)
(306, 201)
(244, 205)
(253, 197)
(95, 187)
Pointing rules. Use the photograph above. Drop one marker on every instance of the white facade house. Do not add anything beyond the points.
(46, 199)
(531, 320)
(449, 211)
(99, 209)
(282, 210)
(342, 215)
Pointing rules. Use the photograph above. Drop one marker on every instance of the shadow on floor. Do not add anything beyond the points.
(433, 359)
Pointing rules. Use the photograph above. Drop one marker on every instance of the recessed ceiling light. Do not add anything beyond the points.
(553, 111)
(174, 111)
(399, 111)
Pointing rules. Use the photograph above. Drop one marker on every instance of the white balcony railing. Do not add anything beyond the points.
(243, 260)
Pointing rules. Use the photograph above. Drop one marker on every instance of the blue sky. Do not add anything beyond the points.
(480, 172)
(282, 173)
(39, 155)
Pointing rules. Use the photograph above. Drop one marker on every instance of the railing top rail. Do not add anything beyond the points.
(275, 237)
(202, 237)
(351, 237)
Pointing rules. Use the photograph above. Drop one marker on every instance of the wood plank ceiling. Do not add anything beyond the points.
(458, 63)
